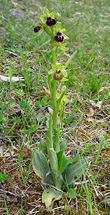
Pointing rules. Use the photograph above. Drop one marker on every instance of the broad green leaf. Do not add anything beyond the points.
(62, 161)
(53, 159)
(63, 144)
(71, 193)
(49, 196)
(58, 179)
(41, 167)
(75, 169)
(56, 174)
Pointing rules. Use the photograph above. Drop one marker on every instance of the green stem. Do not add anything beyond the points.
(53, 48)
(53, 86)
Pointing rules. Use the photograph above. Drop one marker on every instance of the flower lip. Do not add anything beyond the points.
(58, 75)
(37, 28)
(59, 37)
(50, 21)
(54, 21)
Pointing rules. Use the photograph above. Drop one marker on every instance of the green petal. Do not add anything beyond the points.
(43, 19)
(52, 15)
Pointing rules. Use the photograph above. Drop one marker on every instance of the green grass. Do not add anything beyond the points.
(23, 105)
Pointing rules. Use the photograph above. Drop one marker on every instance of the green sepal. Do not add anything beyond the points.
(46, 12)
(57, 16)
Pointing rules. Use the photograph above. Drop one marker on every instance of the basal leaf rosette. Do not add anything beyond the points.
(58, 71)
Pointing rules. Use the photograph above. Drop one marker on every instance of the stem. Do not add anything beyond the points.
(53, 86)
(53, 47)
(54, 105)
(57, 141)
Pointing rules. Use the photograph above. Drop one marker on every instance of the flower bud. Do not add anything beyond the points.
(37, 28)
(58, 75)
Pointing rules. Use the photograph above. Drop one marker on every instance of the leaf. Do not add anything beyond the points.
(53, 159)
(70, 59)
(8, 105)
(3, 177)
(56, 174)
(24, 105)
(20, 158)
(41, 167)
(39, 104)
(71, 193)
(68, 120)
(37, 61)
(49, 196)
(33, 129)
(74, 169)
(62, 161)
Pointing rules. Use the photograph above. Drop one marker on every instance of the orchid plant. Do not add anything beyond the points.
(51, 165)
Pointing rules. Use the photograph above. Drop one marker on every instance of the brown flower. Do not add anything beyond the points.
(50, 21)
(59, 37)
(58, 75)
(37, 28)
